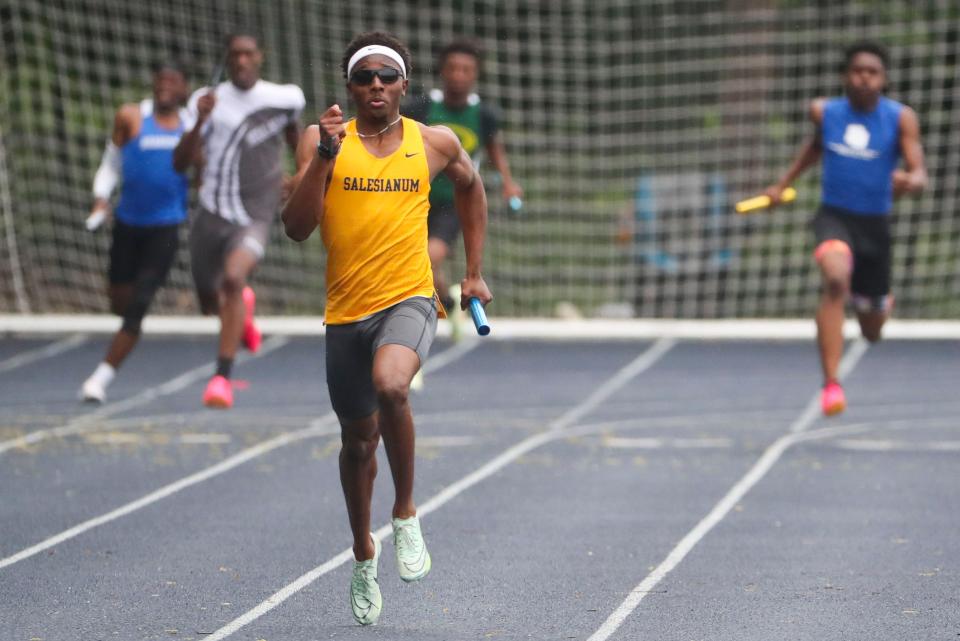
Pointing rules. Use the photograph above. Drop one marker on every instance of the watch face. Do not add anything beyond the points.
(326, 151)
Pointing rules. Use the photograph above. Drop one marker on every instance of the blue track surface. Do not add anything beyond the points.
(851, 534)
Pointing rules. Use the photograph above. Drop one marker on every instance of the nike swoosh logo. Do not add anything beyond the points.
(363, 609)
(411, 155)
(417, 565)
(361, 613)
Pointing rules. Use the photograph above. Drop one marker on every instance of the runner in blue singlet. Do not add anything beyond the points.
(861, 138)
(153, 204)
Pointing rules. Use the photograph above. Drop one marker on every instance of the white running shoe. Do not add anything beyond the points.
(413, 560)
(93, 391)
(365, 598)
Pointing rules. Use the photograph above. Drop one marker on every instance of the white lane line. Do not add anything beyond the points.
(656, 443)
(115, 438)
(205, 417)
(322, 426)
(40, 353)
(451, 354)
(641, 364)
(139, 438)
(717, 418)
(733, 496)
(880, 445)
(720, 510)
(446, 441)
(93, 421)
(205, 439)
(943, 421)
(617, 381)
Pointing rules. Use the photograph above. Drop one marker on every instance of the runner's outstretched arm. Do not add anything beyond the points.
(808, 156)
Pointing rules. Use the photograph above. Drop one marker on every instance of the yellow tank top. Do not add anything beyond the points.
(375, 227)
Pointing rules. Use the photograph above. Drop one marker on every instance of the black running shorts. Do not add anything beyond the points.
(136, 251)
(868, 238)
(443, 223)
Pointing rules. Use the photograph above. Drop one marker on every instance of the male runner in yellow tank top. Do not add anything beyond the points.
(366, 184)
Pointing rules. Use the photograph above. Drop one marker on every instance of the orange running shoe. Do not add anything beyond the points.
(252, 336)
(832, 399)
(219, 393)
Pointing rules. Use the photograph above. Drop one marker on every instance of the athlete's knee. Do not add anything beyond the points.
(836, 263)
(872, 312)
(133, 317)
(836, 287)
(137, 308)
(359, 446)
(118, 307)
(871, 327)
(233, 283)
(132, 324)
(392, 390)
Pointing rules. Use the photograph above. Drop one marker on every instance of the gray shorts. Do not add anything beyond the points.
(212, 239)
(351, 347)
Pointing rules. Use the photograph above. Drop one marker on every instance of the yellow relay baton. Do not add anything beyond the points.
(762, 202)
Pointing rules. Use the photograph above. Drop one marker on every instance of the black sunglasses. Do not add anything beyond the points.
(363, 77)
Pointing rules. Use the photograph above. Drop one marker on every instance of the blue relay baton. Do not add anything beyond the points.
(479, 316)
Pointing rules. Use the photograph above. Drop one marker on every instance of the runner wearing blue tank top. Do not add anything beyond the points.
(862, 138)
(152, 205)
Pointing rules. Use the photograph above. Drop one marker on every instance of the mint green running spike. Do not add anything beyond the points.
(413, 560)
(365, 598)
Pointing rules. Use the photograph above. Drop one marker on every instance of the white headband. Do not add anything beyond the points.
(383, 51)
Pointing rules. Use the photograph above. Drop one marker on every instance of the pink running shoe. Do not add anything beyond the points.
(252, 337)
(832, 399)
(219, 393)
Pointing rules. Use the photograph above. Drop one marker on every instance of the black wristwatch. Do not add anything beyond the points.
(328, 151)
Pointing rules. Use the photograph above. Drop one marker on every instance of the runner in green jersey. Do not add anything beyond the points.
(457, 106)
